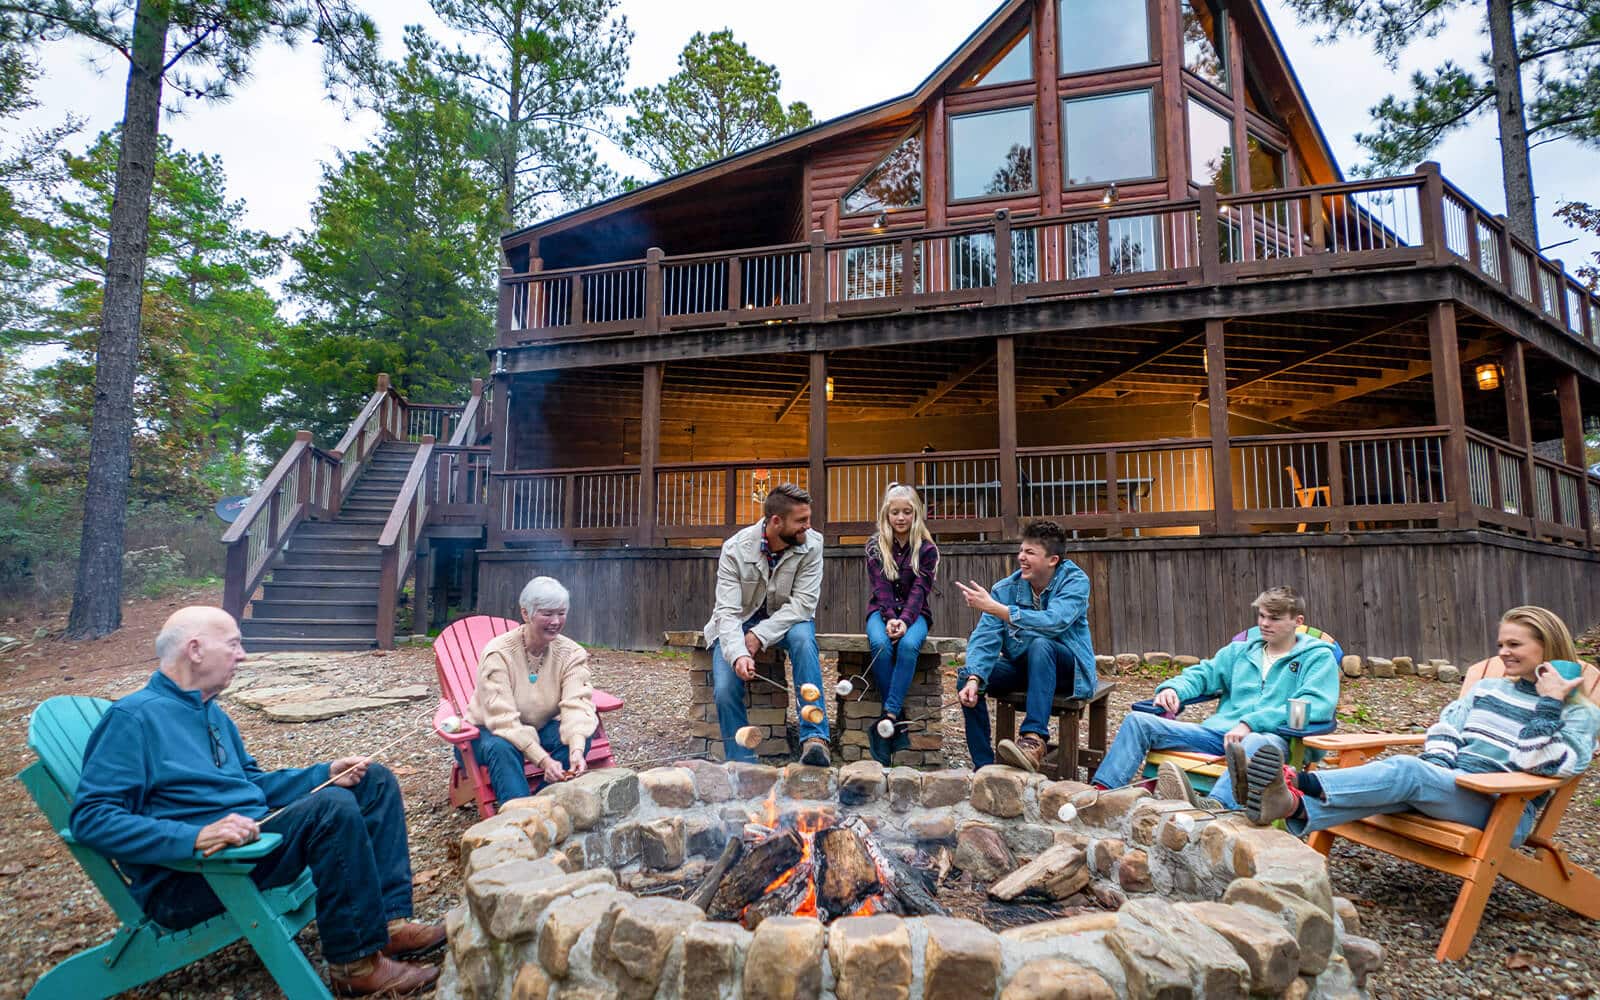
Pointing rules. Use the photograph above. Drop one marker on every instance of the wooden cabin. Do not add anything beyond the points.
(1100, 266)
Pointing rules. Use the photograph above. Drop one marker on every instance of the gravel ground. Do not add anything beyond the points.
(1526, 947)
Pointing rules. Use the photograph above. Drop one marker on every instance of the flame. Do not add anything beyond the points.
(866, 909)
(768, 817)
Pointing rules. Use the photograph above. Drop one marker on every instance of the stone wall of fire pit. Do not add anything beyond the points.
(1201, 906)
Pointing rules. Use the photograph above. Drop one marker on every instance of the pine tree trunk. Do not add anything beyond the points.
(1516, 171)
(97, 592)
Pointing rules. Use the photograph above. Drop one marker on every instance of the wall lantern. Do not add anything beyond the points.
(1487, 376)
(880, 221)
(1110, 197)
(829, 390)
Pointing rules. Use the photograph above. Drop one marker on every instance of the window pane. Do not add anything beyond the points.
(1266, 165)
(1012, 64)
(1098, 34)
(991, 153)
(1108, 138)
(894, 183)
(1210, 148)
(1202, 42)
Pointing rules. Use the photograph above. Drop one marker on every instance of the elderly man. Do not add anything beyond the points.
(165, 776)
(768, 580)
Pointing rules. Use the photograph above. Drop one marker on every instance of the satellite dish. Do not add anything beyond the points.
(229, 508)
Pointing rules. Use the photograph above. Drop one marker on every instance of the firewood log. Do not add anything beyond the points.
(899, 878)
(846, 874)
(703, 893)
(780, 902)
(749, 877)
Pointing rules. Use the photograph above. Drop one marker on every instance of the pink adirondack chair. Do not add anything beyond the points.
(455, 656)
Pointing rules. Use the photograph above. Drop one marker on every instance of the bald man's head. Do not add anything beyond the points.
(185, 623)
(199, 648)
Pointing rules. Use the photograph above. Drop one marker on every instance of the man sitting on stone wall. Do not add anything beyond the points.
(769, 578)
(1255, 677)
(1033, 637)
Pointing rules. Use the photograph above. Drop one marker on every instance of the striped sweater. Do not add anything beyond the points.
(1506, 725)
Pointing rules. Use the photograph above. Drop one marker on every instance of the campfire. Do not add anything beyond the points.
(810, 863)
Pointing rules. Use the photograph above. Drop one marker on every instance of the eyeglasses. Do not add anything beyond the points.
(219, 754)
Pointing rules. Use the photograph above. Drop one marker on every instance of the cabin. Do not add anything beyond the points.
(1100, 266)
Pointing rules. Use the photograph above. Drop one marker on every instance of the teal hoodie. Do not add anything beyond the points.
(1310, 670)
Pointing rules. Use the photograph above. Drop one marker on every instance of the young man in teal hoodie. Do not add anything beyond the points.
(1255, 678)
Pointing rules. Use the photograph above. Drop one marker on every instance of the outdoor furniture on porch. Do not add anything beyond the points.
(141, 949)
(1475, 856)
(455, 657)
(1068, 712)
(1305, 496)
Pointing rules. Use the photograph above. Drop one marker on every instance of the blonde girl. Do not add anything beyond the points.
(902, 560)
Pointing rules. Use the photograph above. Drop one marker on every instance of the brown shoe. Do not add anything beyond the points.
(410, 940)
(1026, 752)
(386, 976)
(815, 752)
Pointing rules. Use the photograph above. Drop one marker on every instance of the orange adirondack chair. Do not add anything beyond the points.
(455, 656)
(1472, 855)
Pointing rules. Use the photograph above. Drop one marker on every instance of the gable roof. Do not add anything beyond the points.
(1256, 28)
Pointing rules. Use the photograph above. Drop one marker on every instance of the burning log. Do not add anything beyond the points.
(703, 893)
(1056, 874)
(748, 878)
(846, 874)
(780, 901)
(899, 879)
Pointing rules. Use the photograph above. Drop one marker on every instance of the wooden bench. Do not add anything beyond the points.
(1069, 718)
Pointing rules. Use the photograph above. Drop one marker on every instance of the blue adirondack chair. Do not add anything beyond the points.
(142, 950)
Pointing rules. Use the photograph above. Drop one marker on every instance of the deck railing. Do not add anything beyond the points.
(1416, 219)
(1360, 479)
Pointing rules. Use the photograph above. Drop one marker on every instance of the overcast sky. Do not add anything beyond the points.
(836, 55)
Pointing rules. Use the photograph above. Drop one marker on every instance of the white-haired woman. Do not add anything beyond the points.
(902, 560)
(534, 702)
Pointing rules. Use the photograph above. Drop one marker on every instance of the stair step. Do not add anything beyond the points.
(356, 612)
(316, 573)
(332, 587)
(375, 517)
(307, 628)
(286, 644)
(332, 552)
(337, 529)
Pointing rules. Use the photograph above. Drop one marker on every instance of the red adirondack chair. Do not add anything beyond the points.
(455, 656)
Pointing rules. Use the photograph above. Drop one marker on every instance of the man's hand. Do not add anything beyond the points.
(978, 598)
(1167, 700)
(1550, 684)
(752, 642)
(969, 693)
(745, 668)
(347, 772)
(229, 831)
(553, 771)
(1236, 734)
(895, 627)
(579, 764)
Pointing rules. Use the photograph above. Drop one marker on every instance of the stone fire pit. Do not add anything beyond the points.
(1203, 907)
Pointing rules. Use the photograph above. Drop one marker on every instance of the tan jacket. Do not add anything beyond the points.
(789, 591)
(510, 706)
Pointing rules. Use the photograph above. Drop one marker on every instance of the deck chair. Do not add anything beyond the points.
(141, 949)
(1204, 769)
(455, 657)
(1306, 496)
(1475, 856)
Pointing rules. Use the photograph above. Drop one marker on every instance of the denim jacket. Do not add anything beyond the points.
(1061, 613)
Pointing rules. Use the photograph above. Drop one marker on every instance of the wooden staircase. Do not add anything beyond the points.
(323, 591)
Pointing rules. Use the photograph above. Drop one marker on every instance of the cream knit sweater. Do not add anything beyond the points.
(510, 705)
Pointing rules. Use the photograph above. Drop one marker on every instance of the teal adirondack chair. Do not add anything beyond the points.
(142, 950)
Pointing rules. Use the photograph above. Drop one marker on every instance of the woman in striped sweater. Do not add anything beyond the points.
(1533, 720)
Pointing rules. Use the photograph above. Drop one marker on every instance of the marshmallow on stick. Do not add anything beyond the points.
(810, 692)
(748, 737)
(812, 714)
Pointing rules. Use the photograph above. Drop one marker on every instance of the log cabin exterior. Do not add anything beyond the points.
(1101, 267)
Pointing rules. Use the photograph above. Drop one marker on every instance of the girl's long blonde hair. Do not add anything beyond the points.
(1548, 628)
(918, 534)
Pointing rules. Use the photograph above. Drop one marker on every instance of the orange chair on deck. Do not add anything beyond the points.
(1306, 496)
(1474, 856)
(455, 656)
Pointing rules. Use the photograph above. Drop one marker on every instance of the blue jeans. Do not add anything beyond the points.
(1142, 732)
(1399, 784)
(1048, 667)
(805, 667)
(508, 768)
(354, 842)
(894, 663)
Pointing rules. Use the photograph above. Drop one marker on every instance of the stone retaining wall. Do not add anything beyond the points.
(1351, 666)
(1206, 906)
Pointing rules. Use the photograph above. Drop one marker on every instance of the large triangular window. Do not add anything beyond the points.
(1012, 64)
(896, 182)
(1204, 42)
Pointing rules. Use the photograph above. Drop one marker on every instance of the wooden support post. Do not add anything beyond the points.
(818, 280)
(1519, 426)
(817, 440)
(1047, 70)
(1449, 410)
(576, 315)
(1217, 396)
(652, 290)
(499, 458)
(1003, 274)
(303, 472)
(735, 288)
(1210, 253)
(1431, 203)
(422, 611)
(1173, 159)
(504, 319)
(649, 452)
(1005, 364)
(1572, 449)
(1102, 239)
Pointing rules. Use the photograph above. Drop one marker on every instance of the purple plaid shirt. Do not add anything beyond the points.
(905, 597)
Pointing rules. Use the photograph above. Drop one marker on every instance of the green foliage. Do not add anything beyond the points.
(397, 271)
(1582, 215)
(1358, 715)
(721, 100)
(1558, 44)
(537, 77)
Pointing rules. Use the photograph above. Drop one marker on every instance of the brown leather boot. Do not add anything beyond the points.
(382, 974)
(815, 752)
(409, 939)
(1026, 752)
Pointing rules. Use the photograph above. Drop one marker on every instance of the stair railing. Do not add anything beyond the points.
(473, 419)
(382, 419)
(398, 543)
(301, 485)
